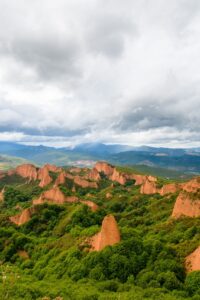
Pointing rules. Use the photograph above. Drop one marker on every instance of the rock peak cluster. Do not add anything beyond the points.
(187, 202)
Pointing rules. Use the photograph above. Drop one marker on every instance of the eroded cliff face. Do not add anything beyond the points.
(54, 195)
(139, 179)
(23, 217)
(108, 236)
(114, 175)
(149, 186)
(192, 186)
(94, 175)
(118, 177)
(61, 178)
(169, 189)
(84, 183)
(27, 171)
(44, 177)
(192, 261)
(187, 204)
(105, 168)
(30, 171)
(188, 200)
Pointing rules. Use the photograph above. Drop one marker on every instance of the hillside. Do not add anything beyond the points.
(9, 162)
(101, 233)
(166, 162)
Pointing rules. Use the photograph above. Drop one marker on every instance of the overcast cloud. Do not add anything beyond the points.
(113, 71)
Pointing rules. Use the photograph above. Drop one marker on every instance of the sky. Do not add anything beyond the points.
(111, 71)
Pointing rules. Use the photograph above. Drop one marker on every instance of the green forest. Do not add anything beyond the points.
(46, 258)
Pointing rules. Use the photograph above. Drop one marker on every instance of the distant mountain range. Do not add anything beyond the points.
(175, 160)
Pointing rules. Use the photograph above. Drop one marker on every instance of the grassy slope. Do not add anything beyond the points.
(8, 162)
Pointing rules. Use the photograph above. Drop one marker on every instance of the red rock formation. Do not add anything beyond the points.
(119, 177)
(94, 175)
(38, 201)
(104, 167)
(44, 177)
(149, 186)
(61, 178)
(139, 179)
(91, 204)
(54, 195)
(23, 217)
(108, 236)
(192, 261)
(84, 183)
(191, 186)
(27, 171)
(169, 188)
(186, 205)
(53, 168)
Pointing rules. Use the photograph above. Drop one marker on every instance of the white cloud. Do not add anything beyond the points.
(98, 70)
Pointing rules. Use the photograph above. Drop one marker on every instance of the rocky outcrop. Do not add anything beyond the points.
(191, 186)
(23, 217)
(94, 175)
(187, 204)
(105, 168)
(149, 186)
(118, 177)
(44, 177)
(108, 236)
(54, 195)
(114, 175)
(91, 204)
(84, 183)
(192, 261)
(30, 171)
(27, 171)
(61, 178)
(169, 189)
(139, 179)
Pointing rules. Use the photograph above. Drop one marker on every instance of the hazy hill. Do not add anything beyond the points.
(181, 160)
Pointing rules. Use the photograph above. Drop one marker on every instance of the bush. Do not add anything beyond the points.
(192, 283)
